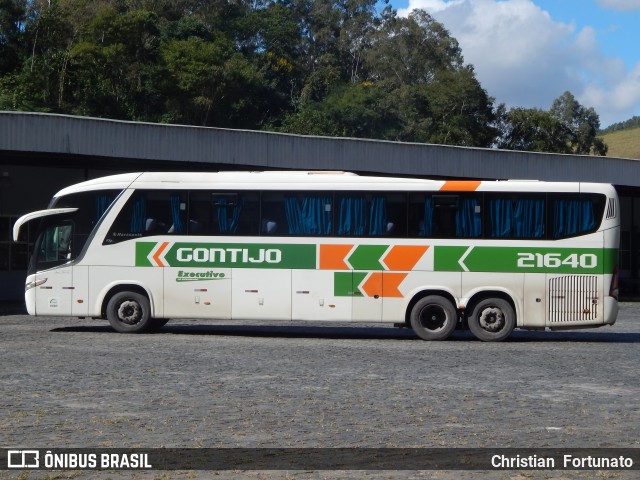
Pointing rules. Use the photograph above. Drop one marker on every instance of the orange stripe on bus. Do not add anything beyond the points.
(392, 281)
(460, 186)
(404, 257)
(332, 257)
(384, 284)
(373, 285)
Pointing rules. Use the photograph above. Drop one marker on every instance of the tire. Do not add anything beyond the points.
(492, 320)
(158, 323)
(129, 312)
(433, 318)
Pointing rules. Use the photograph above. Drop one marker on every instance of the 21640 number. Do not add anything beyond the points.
(556, 260)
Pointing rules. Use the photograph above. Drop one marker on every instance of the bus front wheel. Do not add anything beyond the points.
(492, 320)
(129, 312)
(433, 318)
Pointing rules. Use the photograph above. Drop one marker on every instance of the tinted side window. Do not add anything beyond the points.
(371, 214)
(573, 215)
(223, 213)
(149, 212)
(297, 213)
(515, 216)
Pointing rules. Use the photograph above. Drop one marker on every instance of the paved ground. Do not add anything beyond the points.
(75, 383)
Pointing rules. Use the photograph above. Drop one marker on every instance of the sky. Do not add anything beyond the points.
(526, 53)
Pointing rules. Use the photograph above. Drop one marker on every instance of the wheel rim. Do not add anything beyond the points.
(492, 319)
(130, 312)
(433, 318)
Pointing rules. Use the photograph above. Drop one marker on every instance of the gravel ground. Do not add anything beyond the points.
(70, 383)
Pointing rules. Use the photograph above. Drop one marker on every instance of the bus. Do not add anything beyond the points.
(139, 249)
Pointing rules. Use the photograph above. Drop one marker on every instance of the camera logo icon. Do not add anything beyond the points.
(23, 459)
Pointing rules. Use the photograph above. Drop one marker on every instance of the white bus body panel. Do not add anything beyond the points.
(54, 296)
(197, 293)
(313, 297)
(261, 294)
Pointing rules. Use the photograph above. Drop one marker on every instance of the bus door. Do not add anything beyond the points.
(54, 278)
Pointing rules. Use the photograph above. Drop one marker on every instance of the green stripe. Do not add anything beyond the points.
(525, 260)
(232, 255)
(367, 257)
(345, 284)
(143, 249)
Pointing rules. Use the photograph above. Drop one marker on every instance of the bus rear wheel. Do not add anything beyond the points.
(129, 312)
(433, 318)
(492, 320)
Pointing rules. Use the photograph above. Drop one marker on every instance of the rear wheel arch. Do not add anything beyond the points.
(491, 315)
(425, 293)
(124, 287)
(481, 295)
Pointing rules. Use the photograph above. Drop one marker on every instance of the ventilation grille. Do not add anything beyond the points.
(612, 208)
(573, 298)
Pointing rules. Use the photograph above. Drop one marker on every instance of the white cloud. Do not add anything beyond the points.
(525, 58)
(620, 4)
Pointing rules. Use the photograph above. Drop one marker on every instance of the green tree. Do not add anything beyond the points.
(531, 129)
(582, 124)
(12, 18)
(412, 50)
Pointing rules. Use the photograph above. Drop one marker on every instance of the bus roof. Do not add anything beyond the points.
(318, 180)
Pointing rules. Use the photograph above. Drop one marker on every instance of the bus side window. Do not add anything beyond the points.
(443, 211)
(396, 215)
(308, 213)
(515, 216)
(575, 214)
(371, 214)
(149, 212)
(223, 213)
(272, 221)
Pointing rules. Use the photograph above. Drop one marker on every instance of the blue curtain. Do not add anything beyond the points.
(102, 204)
(308, 216)
(500, 218)
(571, 217)
(178, 224)
(228, 215)
(352, 216)
(139, 215)
(522, 218)
(468, 222)
(528, 218)
(378, 217)
(426, 226)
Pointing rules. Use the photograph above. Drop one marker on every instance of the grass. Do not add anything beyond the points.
(623, 143)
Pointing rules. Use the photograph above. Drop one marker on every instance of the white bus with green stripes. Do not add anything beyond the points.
(139, 249)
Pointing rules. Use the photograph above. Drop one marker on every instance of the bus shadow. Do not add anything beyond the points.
(359, 333)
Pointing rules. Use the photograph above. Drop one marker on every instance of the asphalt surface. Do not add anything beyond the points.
(70, 383)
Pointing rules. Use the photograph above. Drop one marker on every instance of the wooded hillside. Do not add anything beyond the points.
(341, 68)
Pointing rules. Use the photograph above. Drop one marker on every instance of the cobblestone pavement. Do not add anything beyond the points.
(74, 383)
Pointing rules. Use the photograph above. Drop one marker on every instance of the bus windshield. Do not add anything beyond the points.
(61, 238)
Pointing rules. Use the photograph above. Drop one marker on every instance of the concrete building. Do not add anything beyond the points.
(42, 153)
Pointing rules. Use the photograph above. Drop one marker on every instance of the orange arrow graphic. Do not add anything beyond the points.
(156, 256)
(404, 257)
(383, 284)
(391, 283)
(332, 257)
(373, 285)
